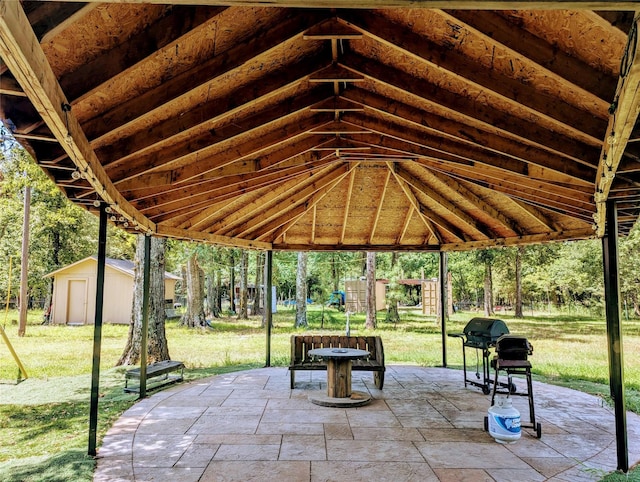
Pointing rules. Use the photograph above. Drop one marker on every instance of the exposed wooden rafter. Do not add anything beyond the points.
(369, 127)
(624, 113)
(20, 49)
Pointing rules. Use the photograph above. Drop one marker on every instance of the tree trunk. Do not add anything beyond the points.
(218, 294)
(24, 265)
(519, 252)
(392, 295)
(209, 288)
(213, 292)
(259, 293)
(335, 278)
(243, 310)
(488, 290)
(194, 316)
(301, 291)
(157, 348)
(371, 321)
(232, 284)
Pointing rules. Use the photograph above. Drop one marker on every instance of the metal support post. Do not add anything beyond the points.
(97, 330)
(144, 344)
(614, 333)
(268, 301)
(443, 304)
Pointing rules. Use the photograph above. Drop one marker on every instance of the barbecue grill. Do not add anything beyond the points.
(512, 353)
(480, 334)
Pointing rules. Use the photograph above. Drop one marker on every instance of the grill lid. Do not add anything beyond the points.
(512, 347)
(484, 331)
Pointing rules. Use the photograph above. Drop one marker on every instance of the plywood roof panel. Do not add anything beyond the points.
(322, 128)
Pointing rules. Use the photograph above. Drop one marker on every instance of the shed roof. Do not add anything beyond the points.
(451, 126)
(123, 265)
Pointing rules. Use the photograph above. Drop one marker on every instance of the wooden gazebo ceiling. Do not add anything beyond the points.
(297, 128)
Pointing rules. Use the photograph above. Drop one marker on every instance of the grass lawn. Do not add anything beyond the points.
(44, 419)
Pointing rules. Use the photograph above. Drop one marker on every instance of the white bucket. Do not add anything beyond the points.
(504, 421)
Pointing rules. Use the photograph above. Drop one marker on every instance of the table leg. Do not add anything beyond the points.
(338, 378)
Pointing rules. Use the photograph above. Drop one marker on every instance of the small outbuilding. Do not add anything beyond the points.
(74, 291)
(356, 295)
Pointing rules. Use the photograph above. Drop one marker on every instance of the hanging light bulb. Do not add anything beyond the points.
(598, 197)
(75, 175)
(609, 174)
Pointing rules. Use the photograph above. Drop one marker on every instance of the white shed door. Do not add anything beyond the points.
(77, 302)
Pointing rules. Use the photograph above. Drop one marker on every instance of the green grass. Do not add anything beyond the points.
(44, 419)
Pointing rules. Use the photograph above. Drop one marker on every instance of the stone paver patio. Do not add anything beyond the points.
(423, 426)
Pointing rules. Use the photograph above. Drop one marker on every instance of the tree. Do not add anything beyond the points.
(217, 259)
(259, 293)
(466, 278)
(576, 276)
(301, 291)
(212, 280)
(518, 307)
(158, 349)
(371, 321)
(194, 316)
(285, 266)
(335, 276)
(211, 267)
(61, 232)
(394, 291)
(243, 311)
(232, 281)
(486, 257)
(24, 269)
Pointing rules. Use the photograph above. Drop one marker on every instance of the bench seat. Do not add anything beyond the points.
(301, 344)
(157, 375)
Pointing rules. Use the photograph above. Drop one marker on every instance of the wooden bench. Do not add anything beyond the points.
(301, 344)
(157, 375)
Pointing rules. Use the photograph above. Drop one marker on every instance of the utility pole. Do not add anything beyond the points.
(24, 265)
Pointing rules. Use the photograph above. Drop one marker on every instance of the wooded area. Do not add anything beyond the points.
(555, 276)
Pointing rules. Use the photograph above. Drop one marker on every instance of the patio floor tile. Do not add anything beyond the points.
(424, 426)
(256, 471)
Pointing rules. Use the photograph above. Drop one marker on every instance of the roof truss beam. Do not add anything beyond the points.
(519, 94)
(204, 148)
(22, 52)
(215, 110)
(485, 119)
(264, 40)
(465, 135)
(604, 5)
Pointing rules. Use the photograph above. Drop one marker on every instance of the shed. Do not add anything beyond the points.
(74, 291)
(356, 294)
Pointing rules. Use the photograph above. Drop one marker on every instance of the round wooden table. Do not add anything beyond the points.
(339, 393)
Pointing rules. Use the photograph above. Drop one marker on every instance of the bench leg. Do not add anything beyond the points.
(293, 378)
